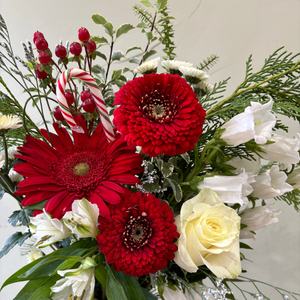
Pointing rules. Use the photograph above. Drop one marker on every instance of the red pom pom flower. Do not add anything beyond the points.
(160, 113)
(89, 167)
(138, 237)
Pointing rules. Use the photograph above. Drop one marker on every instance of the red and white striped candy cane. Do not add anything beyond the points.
(96, 93)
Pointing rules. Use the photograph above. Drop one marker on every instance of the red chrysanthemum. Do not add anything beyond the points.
(138, 237)
(160, 113)
(89, 167)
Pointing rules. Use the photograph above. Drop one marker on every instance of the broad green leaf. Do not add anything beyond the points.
(176, 189)
(134, 60)
(108, 27)
(99, 70)
(161, 4)
(101, 275)
(117, 55)
(114, 290)
(101, 55)
(17, 238)
(124, 28)
(142, 25)
(98, 19)
(116, 74)
(147, 3)
(149, 35)
(134, 48)
(43, 291)
(21, 216)
(130, 285)
(166, 168)
(245, 246)
(186, 157)
(68, 264)
(148, 54)
(148, 295)
(99, 39)
(160, 284)
(37, 206)
(151, 187)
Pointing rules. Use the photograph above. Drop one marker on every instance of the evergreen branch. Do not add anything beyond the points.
(208, 62)
(291, 198)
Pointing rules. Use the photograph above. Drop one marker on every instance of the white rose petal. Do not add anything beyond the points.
(230, 189)
(270, 184)
(209, 234)
(257, 218)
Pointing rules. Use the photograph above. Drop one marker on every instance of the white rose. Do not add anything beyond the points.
(209, 235)
(257, 218)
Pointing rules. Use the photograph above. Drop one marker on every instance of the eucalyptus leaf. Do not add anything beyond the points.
(98, 19)
(114, 290)
(161, 4)
(99, 39)
(108, 27)
(148, 54)
(17, 238)
(117, 55)
(176, 189)
(133, 48)
(124, 28)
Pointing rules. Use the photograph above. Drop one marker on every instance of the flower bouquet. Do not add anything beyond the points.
(142, 182)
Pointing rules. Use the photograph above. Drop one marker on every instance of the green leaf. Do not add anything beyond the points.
(17, 238)
(114, 290)
(29, 64)
(134, 48)
(195, 182)
(101, 275)
(147, 3)
(124, 28)
(130, 285)
(98, 19)
(142, 25)
(109, 29)
(99, 39)
(166, 168)
(117, 55)
(148, 295)
(176, 189)
(21, 216)
(101, 55)
(245, 246)
(165, 19)
(37, 206)
(186, 157)
(134, 60)
(148, 54)
(1, 192)
(149, 35)
(99, 70)
(116, 74)
(127, 70)
(43, 291)
(161, 4)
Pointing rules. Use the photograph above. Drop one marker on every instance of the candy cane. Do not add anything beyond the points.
(96, 93)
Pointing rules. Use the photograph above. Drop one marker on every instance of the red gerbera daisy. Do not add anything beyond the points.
(160, 113)
(89, 168)
(138, 237)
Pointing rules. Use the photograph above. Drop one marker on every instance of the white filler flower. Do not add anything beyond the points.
(77, 283)
(175, 64)
(256, 122)
(230, 189)
(257, 218)
(47, 230)
(194, 74)
(147, 67)
(82, 220)
(270, 184)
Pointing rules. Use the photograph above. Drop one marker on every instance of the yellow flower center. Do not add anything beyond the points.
(81, 169)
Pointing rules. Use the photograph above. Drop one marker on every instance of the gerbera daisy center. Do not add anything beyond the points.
(158, 111)
(81, 169)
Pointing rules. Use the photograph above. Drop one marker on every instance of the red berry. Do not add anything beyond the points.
(91, 47)
(37, 35)
(75, 48)
(40, 74)
(60, 51)
(58, 114)
(44, 58)
(83, 34)
(41, 44)
(89, 105)
(85, 95)
(69, 97)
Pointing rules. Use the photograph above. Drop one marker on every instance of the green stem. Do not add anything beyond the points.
(6, 153)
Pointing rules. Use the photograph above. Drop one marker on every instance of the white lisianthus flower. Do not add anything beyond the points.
(48, 230)
(230, 189)
(193, 74)
(209, 235)
(270, 184)
(76, 284)
(14, 176)
(9, 122)
(243, 164)
(147, 67)
(174, 65)
(257, 218)
(256, 122)
(82, 220)
(284, 150)
(294, 178)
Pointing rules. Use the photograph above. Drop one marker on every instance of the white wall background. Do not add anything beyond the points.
(232, 29)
